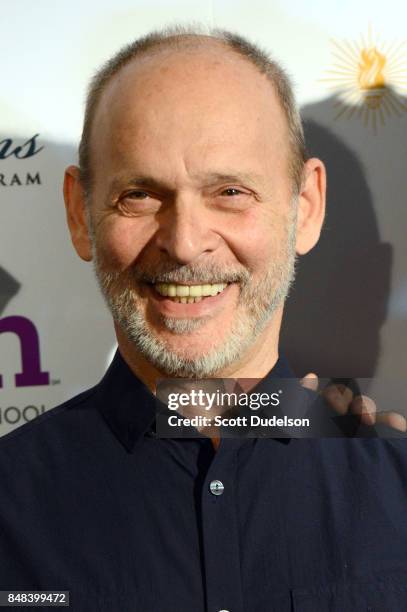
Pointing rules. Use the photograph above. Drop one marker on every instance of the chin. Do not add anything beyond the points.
(189, 345)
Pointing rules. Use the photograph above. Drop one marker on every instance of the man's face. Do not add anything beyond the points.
(191, 196)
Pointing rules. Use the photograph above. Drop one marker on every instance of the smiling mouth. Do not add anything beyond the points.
(188, 294)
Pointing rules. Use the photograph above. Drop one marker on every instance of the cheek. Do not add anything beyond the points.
(121, 240)
(254, 239)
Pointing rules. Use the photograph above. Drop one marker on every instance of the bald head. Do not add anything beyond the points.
(173, 59)
(192, 107)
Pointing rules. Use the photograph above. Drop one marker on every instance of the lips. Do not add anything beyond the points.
(190, 305)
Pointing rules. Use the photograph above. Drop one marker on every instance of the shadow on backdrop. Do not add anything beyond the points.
(339, 301)
(9, 287)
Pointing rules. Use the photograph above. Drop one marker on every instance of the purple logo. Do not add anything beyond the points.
(26, 331)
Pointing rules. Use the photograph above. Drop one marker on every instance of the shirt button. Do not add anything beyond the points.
(217, 488)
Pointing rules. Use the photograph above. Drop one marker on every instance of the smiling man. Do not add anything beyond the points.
(193, 197)
(197, 198)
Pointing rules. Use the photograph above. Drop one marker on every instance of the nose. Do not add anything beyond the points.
(185, 231)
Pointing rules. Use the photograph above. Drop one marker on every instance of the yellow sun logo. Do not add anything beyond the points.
(368, 78)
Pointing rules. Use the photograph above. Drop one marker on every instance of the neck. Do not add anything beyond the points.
(255, 363)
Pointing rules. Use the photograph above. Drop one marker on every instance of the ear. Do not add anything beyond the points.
(75, 204)
(311, 205)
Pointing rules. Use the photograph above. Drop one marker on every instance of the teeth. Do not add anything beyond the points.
(189, 291)
(162, 289)
(195, 290)
(182, 290)
(186, 300)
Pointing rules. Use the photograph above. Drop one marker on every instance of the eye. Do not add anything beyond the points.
(136, 195)
(232, 191)
(233, 199)
(138, 202)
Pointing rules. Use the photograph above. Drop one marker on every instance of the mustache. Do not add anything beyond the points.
(174, 273)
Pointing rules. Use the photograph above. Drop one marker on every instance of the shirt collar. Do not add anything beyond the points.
(129, 407)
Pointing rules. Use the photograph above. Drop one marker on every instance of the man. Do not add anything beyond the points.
(193, 197)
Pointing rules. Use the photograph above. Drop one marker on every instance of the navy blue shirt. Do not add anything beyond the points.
(93, 502)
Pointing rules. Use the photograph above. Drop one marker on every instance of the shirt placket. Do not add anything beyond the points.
(221, 531)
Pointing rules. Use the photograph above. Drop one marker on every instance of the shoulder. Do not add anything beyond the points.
(55, 423)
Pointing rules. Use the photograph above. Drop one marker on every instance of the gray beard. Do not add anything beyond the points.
(256, 305)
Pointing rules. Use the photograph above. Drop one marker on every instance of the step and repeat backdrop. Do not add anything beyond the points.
(347, 315)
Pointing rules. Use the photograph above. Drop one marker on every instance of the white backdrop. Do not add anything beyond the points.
(348, 313)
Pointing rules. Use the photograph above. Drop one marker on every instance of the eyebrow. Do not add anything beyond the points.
(206, 179)
(231, 177)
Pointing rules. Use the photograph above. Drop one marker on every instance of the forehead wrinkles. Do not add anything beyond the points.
(171, 85)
